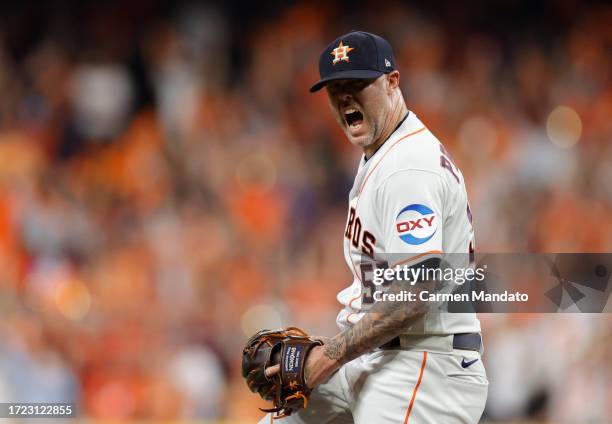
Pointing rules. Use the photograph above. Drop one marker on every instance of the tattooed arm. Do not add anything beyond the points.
(383, 322)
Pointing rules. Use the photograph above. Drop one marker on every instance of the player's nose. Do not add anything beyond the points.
(344, 99)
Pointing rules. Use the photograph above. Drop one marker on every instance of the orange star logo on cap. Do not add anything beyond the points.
(341, 53)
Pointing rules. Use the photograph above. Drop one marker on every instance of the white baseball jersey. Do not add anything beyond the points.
(409, 199)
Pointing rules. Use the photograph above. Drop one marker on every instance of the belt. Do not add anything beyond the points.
(463, 341)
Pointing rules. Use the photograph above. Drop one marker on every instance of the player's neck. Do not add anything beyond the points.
(396, 116)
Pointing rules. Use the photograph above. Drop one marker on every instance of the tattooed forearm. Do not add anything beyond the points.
(334, 349)
(384, 321)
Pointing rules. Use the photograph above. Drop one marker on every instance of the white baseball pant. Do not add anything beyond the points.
(400, 386)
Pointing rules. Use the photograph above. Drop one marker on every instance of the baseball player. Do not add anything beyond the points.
(397, 363)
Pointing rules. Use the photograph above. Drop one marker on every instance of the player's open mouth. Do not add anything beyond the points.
(353, 118)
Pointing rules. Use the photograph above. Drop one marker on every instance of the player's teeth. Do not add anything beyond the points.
(346, 112)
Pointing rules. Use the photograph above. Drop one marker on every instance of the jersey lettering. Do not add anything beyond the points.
(367, 243)
(446, 162)
(367, 279)
(355, 235)
(349, 224)
(356, 232)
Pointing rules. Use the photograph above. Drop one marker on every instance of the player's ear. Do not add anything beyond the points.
(393, 79)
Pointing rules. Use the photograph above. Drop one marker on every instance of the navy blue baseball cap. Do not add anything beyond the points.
(356, 55)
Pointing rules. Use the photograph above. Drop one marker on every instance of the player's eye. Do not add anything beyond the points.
(348, 86)
(361, 84)
(333, 89)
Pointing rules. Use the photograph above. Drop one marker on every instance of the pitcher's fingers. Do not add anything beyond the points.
(272, 371)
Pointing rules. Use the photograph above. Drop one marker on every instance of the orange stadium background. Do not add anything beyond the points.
(168, 186)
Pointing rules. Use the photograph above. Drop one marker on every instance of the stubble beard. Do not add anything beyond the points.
(365, 140)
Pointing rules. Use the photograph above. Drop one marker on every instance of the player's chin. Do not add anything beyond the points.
(361, 140)
(359, 137)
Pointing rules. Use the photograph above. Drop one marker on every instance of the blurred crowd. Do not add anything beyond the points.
(168, 186)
